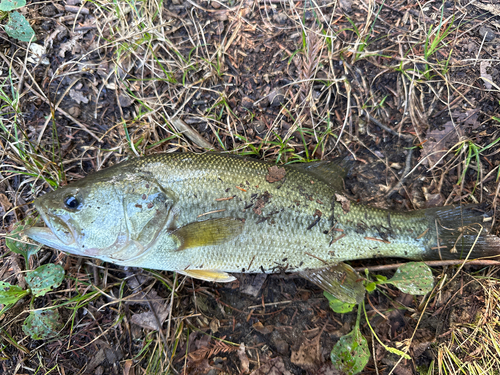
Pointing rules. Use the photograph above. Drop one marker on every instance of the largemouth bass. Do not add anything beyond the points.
(208, 215)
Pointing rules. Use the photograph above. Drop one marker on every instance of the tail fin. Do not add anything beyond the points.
(462, 232)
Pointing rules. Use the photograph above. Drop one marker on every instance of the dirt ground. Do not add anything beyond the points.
(410, 89)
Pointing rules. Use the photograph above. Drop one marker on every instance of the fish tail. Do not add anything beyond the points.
(461, 232)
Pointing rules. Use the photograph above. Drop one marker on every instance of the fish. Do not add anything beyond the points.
(210, 215)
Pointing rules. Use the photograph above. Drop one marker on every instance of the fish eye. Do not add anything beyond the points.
(71, 202)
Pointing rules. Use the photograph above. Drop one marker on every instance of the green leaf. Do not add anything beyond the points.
(8, 5)
(19, 28)
(337, 305)
(413, 278)
(351, 354)
(10, 294)
(380, 278)
(370, 286)
(42, 324)
(44, 278)
(17, 244)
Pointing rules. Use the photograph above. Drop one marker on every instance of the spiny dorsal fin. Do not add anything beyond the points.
(330, 172)
(340, 280)
(209, 275)
(208, 232)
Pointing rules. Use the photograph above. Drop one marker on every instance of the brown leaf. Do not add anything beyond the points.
(469, 117)
(201, 367)
(148, 319)
(5, 203)
(259, 205)
(261, 202)
(127, 367)
(439, 142)
(274, 366)
(344, 202)
(275, 174)
(259, 327)
(245, 363)
(251, 284)
(487, 78)
(308, 356)
(433, 200)
(220, 15)
(214, 325)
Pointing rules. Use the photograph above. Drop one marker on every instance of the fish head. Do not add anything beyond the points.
(114, 217)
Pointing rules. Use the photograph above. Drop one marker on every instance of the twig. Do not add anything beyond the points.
(192, 134)
(433, 263)
(406, 173)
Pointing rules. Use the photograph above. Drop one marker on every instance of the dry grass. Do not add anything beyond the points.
(473, 347)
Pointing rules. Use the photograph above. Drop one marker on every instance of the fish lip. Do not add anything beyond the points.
(46, 237)
(49, 218)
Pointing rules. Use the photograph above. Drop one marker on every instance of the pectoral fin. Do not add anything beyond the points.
(208, 275)
(341, 280)
(208, 232)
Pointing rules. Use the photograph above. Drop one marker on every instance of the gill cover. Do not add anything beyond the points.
(147, 210)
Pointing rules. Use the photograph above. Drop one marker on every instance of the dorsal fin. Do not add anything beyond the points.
(331, 172)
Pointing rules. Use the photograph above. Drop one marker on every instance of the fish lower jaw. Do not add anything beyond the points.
(46, 237)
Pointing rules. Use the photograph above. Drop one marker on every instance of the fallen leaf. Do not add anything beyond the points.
(274, 366)
(275, 174)
(38, 54)
(492, 8)
(214, 325)
(433, 200)
(344, 202)
(487, 78)
(251, 284)
(78, 96)
(125, 100)
(245, 363)
(469, 118)
(4, 202)
(150, 299)
(147, 320)
(201, 367)
(127, 366)
(71, 45)
(261, 202)
(308, 356)
(259, 327)
(439, 142)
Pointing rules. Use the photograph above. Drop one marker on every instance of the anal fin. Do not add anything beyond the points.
(340, 280)
(209, 275)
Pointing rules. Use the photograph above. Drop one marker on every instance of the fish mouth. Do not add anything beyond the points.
(58, 234)
(46, 237)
